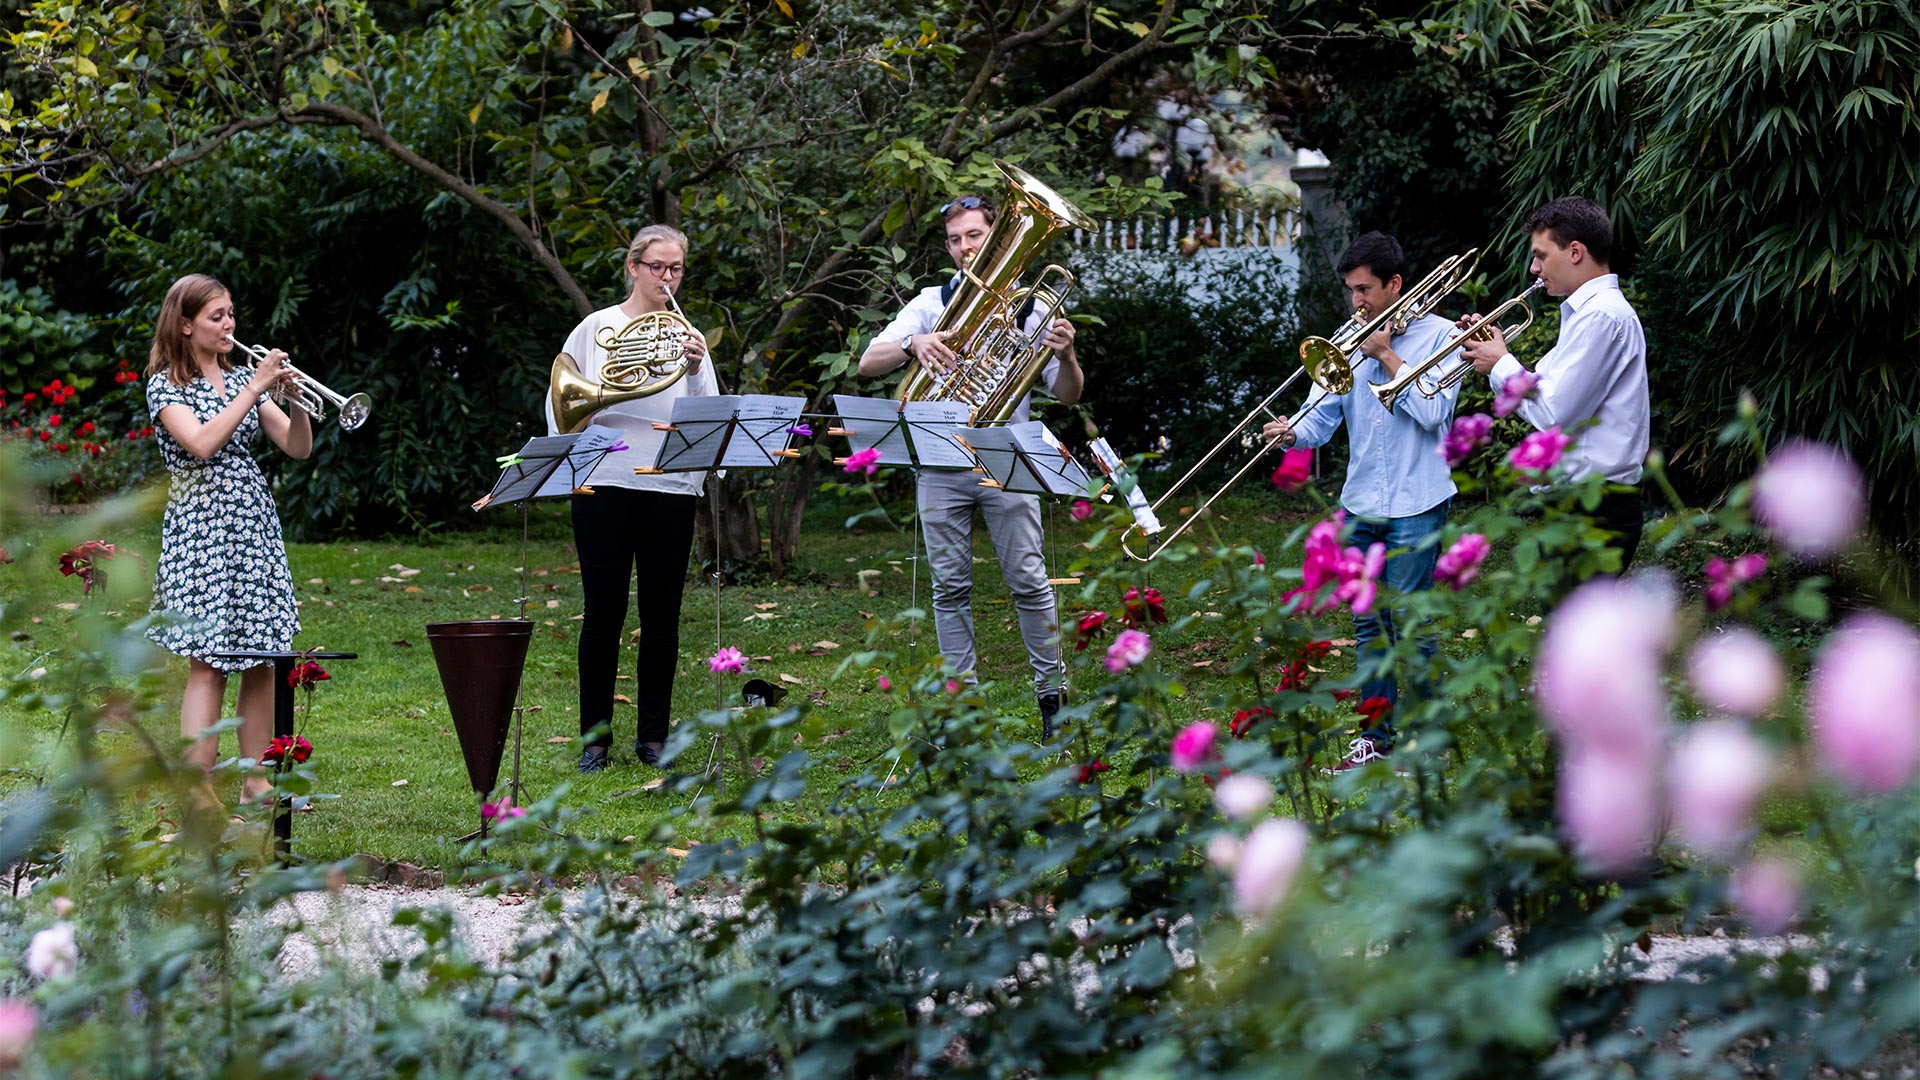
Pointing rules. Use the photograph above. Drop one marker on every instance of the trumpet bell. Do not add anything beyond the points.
(354, 411)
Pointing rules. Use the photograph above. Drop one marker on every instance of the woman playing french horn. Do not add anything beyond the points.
(630, 522)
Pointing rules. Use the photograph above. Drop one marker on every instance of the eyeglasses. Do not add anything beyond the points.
(665, 270)
(965, 202)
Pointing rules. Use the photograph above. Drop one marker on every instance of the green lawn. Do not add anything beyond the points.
(384, 740)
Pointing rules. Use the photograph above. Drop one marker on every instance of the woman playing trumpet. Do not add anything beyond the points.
(631, 522)
(221, 584)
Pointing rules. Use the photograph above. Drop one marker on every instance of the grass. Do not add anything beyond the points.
(385, 744)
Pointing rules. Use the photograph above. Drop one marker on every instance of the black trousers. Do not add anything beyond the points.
(1622, 512)
(618, 531)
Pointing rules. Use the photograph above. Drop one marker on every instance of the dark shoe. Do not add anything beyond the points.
(649, 752)
(593, 759)
(1049, 708)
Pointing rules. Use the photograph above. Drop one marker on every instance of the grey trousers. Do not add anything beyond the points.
(947, 503)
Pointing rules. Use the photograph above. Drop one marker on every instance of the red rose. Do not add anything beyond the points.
(306, 674)
(285, 749)
(1296, 468)
(1092, 769)
(86, 428)
(1374, 709)
(1091, 623)
(1144, 607)
(1244, 719)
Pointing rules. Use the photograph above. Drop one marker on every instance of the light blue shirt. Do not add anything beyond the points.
(1394, 469)
(1593, 383)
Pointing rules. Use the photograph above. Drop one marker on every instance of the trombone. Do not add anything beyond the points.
(1389, 392)
(312, 395)
(1329, 362)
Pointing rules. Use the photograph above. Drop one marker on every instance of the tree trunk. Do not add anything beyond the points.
(738, 544)
(786, 505)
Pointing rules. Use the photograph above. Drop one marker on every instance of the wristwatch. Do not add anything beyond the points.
(906, 346)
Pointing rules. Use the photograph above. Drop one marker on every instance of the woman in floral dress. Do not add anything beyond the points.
(222, 583)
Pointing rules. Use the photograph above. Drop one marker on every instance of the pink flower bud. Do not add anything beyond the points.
(1864, 701)
(1082, 510)
(1223, 850)
(1767, 892)
(1718, 770)
(1460, 564)
(1268, 863)
(1598, 677)
(1127, 650)
(1193, 746)
(1735, 671)
(1538, 453)
(1810, 497)
(18, 1019)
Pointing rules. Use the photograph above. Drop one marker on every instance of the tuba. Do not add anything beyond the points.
(996, 363)
(644, 357)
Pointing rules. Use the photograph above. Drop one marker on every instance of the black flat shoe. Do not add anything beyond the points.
(593, 759)
(648, 752)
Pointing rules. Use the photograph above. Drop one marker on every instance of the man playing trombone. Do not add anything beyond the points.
(1593, 382)
(1398, 486)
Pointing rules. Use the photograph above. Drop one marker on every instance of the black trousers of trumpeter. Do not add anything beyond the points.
(622, 535)
(1622, 512)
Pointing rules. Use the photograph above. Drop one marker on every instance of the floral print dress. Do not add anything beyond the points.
(222, 583)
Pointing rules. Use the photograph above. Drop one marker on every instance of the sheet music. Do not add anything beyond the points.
(1116, 469)
(874, 423)
(1026, 458)
(931, 426)
(550, 466)
(727, 431)
(766, 422)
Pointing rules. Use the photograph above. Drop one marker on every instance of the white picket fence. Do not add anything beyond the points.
(1236, 227)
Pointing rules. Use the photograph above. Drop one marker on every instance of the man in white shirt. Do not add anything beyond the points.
(948, 499)
(1593, 382)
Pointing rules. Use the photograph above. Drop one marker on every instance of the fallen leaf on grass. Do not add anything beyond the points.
(553, 603)
(560, 739)
(68, 607)
(760, 658)
(657, 781)
(316, 581)
(786, 678)
(795, 647)
(415, 588)
(622, 699)
(401, 644)
(826, 645)
(866, 614)
(399, 783)
(357, 581)
(678, 853)
(768, 606)
(761, 615)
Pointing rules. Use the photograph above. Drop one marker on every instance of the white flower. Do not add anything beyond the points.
(53, 954)
(1241, 796)
(1223, 850)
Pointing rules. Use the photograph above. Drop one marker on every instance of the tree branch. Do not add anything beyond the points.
(376, 133)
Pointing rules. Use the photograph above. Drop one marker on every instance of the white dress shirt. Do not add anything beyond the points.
(922, 313)
(632, 419)
(1593, 383)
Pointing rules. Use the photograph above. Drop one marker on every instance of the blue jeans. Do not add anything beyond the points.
(1409, 569)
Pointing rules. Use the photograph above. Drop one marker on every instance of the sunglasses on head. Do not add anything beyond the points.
(965, 202)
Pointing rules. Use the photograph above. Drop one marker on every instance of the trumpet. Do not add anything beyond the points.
(1329, 362)
(312, 395)
(1389, 392)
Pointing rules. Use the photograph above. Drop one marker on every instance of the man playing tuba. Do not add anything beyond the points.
(947, 500)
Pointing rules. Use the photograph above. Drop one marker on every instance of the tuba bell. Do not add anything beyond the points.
(996, 363)
(644, 357)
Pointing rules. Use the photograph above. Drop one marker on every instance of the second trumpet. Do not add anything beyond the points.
(312, 395)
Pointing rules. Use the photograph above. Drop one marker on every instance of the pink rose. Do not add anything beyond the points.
(1242, 796)
(1864, 703)
(1718, 771)
(1296, 468)
(1130, 648)
(1767, 892)
(1810, 497)
(1515, 390)
(497, 811)
(1598, 674)
(728, 661)
(1082, 510)
(1193, 746)
(885, 684)
(1735, 671)
(1609, 806)
(1359, 577)
(1724, 577)
(1469, 433)
(1460, 564)
(865, 462)
(1322, 565)
(1268, 863)
(18, 1019)
(1538, 453)
(1223, 850)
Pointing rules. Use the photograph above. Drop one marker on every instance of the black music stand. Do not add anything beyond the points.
(714, 433)
(547, 467)
(283, 662)
(1026, 459)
